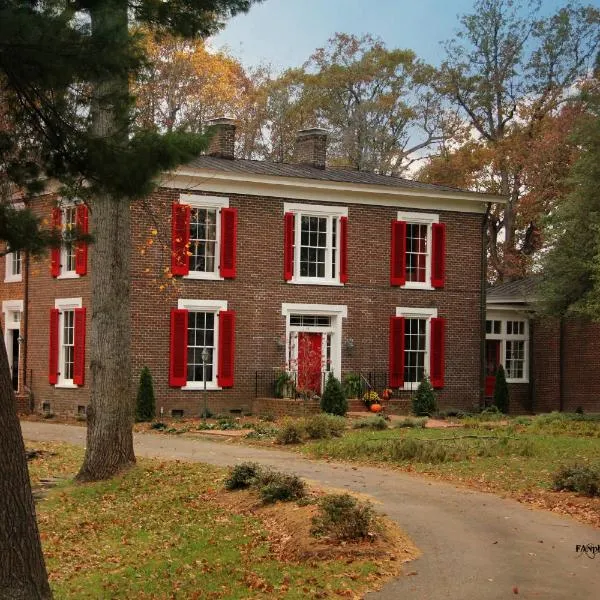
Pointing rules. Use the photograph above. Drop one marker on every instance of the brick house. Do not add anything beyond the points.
(265, 267)
(551, 364)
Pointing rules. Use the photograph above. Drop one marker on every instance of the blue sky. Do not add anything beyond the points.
(284, 33)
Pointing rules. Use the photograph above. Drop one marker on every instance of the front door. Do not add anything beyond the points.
(492, 362)
(310, 361)
(14, 367)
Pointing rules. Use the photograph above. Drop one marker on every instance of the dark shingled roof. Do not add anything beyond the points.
(521, 290)
(257, 167)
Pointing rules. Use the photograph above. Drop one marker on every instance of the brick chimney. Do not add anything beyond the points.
(222, 141)
(311, 147)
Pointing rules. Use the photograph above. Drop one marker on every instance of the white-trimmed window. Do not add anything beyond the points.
(202, 332)
(418, 248)
(317, 244)
(66, 340)
(14, 266)
(13, 312)
(511, 332)
(205, 235)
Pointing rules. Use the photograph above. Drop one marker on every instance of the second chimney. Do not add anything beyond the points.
(222, 141)
(311, 147)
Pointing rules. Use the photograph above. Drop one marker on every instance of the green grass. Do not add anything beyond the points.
(512, 457)
(157, 532)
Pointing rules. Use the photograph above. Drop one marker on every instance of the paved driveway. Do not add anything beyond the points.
(475, 545)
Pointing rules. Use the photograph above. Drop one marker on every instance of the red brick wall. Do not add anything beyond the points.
(259, 291)
(545, 365)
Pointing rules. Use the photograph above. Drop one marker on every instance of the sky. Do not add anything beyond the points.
(284, 33)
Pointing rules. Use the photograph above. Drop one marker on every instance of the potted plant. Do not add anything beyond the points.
(284, 384)
(371, 397)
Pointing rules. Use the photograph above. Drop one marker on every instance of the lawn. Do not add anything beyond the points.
(168, 530)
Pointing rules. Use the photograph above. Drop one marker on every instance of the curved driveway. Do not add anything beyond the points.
(475, 545)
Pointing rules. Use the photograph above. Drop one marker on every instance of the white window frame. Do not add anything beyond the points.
(65, 304)
(409, 312)
(316, 210)
(10, 308)
(205, 306)
(64, 274)
(336, 312)
(10, 276)
(208, 202)
(428, 219)
(503, 337)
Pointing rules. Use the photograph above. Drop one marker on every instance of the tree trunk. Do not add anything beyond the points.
(22, 570)
(111, 411)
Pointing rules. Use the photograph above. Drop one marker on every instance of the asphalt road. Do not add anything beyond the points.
(475, 545)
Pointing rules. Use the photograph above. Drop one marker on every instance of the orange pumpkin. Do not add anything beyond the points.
(376, 408)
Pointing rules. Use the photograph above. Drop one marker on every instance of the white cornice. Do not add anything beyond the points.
(325, 191)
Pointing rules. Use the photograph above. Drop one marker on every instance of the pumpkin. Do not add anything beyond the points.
(376, 408)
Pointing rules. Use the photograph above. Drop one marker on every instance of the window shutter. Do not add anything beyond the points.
(55, 252)
(178, 354)
(79, 349)
(53, 348)
(81, 250)
(180, 239)
(288, 246)
(438, 254)
(398, 253)
(226, 348)
(396, 351)
(228, 242)
(438, 327)
(344, 249)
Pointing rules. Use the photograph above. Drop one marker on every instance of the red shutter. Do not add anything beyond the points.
(398, 253)
(344, 249)
(180, 239)
(396, 351)
(55, 252)
(288, 246)
(228, 242)
(81, 249)
(79, 349)
(437, 352)
(438, 254)
(53, 347)
(226, 348)
(178, 354)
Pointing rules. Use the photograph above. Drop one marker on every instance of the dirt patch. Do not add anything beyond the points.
(288, 525)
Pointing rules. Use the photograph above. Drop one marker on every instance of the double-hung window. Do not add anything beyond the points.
(69, 260)
(67, 343)
(14, 266)
(418, 248)
(416, 347)
(204, 237)
(202, 345)
(315, 244)
(507, 343)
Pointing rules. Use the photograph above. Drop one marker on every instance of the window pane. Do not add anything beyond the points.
(416, 252)
(68, 331)
(414, 349)
(201, 334)
(515, 359)
(203, 239)
(313, 246)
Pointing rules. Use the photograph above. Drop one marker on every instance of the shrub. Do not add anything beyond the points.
(275, 486)
(242, 476)
(145, 404)
(290, 432)
(418, 422)
(352, 385)
(333, 401)
(342, 517)
(578, 478)
(324, 426)
(423, 401)
(501, 391)
(377, 423)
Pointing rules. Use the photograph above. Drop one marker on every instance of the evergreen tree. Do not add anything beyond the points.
(424, 402)
(145, 402)
(501, 398)
(333, 400)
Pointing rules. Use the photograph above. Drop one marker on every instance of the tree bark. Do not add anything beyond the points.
(109, 446)
(22, 570)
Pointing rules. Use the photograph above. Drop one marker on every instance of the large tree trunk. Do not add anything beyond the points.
(22, 571)
(111, 412)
